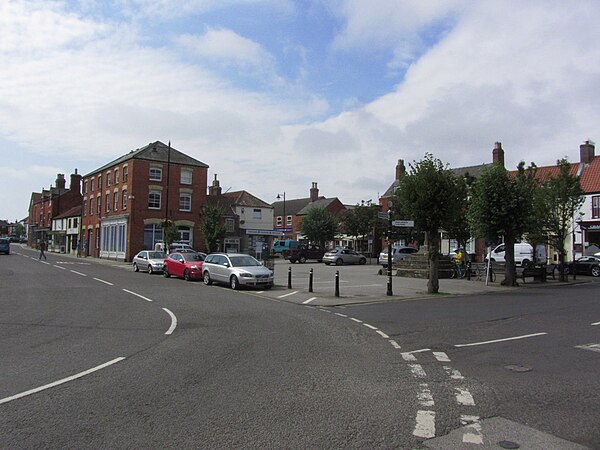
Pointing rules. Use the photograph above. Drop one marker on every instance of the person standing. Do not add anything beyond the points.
(85, 249)
(43, 249)
(78, 249)
(458, 260)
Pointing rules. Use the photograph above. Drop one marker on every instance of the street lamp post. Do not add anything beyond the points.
(284, 221)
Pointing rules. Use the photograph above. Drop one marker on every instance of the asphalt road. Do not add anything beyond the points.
(149, 362)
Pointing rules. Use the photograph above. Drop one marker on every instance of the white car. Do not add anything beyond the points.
(399, 252)
(149, 261)
(236, 270)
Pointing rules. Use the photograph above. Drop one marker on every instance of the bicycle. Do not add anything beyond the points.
(480, 272)
(455, 271)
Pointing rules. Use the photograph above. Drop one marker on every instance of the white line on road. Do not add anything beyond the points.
(382, 334)
(64, 380)
(79, 273)
(287, 295)
(425, 427)
(341, 315)
(408, 357)
(472, 433)
(595, 323)
(102, 281)
(395, 344)
(356, 320)
(424, 396)
(309, 300)
(137, 295)
(44, 262)
(464, 397)
(501, 340)
(453, 373)
(417, 370)
(173, 321)
(59, 267)
(441, 356)
(370, 326)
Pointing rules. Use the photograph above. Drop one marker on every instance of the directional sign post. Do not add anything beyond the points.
(403, 223)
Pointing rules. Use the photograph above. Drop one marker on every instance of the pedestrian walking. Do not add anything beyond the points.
(42, 249)
(78, 249)
(85, 249)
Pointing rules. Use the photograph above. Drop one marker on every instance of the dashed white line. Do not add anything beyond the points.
(417, 370)
(472, 433)
(501, 340)
(356, 320)
(341, 315)
(173, 321)
(44, 262)
(287, 295)
(312, 299)
(595, 323)
(370, 326)
(453, 373)
(79, 273)
(102, 281)
(464, 397)
(59, 267)
(425, 427)
(59, 382)
(382, 334)
(395, 344)
(424, 396)
(441, 356)
(137, 295)
(408, 357)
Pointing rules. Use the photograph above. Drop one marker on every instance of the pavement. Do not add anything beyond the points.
(357, 284)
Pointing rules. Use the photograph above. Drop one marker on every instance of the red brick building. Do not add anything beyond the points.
(126, 201)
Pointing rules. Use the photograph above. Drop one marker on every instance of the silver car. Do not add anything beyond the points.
(150, 261)
(236, 270)
(399, 253)
(340, 256)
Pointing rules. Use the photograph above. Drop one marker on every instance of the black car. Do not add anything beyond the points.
(588, 265)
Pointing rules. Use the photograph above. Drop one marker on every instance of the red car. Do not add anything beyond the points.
(186, 265)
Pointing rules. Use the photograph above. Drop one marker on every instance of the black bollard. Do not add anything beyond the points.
(337, 283)
(310, 281)
(289, 277)
(468, 270)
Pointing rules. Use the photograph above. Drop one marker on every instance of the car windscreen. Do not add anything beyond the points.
(243, 261)
(192, 257)
(156, 255)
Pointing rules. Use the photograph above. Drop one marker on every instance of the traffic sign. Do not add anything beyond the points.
(403, 223)
(383, 215)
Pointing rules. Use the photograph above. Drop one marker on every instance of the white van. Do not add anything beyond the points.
(523, 254)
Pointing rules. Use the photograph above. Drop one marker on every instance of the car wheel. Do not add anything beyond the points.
(186, 275)
(233, 282)
(268, 286)
(526, 264)
(362, 261)
(150, 270)
(206, 279)
(166, 273)
(339, 262)
(292, 261)
(327, 264)
(596, 271)
(302, 259)
(135, 267)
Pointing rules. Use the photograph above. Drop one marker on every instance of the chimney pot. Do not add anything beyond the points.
(587, 152)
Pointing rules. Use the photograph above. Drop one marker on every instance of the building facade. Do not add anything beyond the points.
(126, 201)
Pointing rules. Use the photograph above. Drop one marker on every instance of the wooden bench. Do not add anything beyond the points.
(539, 273)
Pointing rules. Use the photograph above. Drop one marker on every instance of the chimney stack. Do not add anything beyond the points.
(498, 154)
(60, 181)
(587, 152)
(75, 185)
(400, 170)
(314, 192)
(215, 188)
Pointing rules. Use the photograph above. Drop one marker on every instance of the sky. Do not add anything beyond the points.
(276, 94)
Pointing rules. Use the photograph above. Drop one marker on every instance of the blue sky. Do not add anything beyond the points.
(276, 94)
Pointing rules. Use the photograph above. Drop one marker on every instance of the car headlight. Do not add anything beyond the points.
(246, 275)
(194, 267)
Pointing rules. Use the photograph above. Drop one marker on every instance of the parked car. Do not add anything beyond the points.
(236, 270)
(174, 247)
(304, 252)
(340, 256)
(149, 261)
(186, 265)
(5, 246)
(284, 244)
(588, 265)
(399, 252)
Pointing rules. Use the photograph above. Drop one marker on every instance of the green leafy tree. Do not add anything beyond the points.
(170, 233)
(429, 195)
(502, 205)
(212, 226)
(319, 225)
(557, 202)
(361, 220)
(457, 226)
(19, 230)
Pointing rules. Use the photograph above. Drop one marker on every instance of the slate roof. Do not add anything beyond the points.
(320, 203)
(292, 207)
(73, 212)
(154, 151)
(244, 198)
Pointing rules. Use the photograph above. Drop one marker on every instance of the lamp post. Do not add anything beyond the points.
(284, 221)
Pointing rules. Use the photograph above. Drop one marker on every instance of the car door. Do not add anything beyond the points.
(143, 261)
(221, 271)
(176, 264)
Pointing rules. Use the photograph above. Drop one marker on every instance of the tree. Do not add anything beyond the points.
(458, 227)
(319, 225)
(429, 195)
(211, 225)
(502, 205)
(170, 233)
(556, 203)
(362, 220)
(19, 230)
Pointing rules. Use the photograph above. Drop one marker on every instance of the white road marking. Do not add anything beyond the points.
(287, 295)
(417, 370)
(453, 373)
(356, 320)
(382, 334)
(173, 321)
(312, 299)
(59, 382)
(370, 326)
(79, 273)
(591, 347)
(44, 262)
(464, 397)
(137, 295)
(341, 315)
(424, 396)
(441, 356)
(59, 267)
(425, 427)
(501, 340)
(472, 434)
(595, 323)
(325, 310)
(408, 357)
(102, 281)
(395, 344)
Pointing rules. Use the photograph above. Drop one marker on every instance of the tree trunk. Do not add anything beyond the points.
(433, 246)
(510, 274)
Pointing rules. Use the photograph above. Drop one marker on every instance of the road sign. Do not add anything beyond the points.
(403, 223)
(383, 215)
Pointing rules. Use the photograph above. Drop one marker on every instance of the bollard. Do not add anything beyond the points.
(468, 270)
(310, 281)
(289, 277)
(337, 283)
